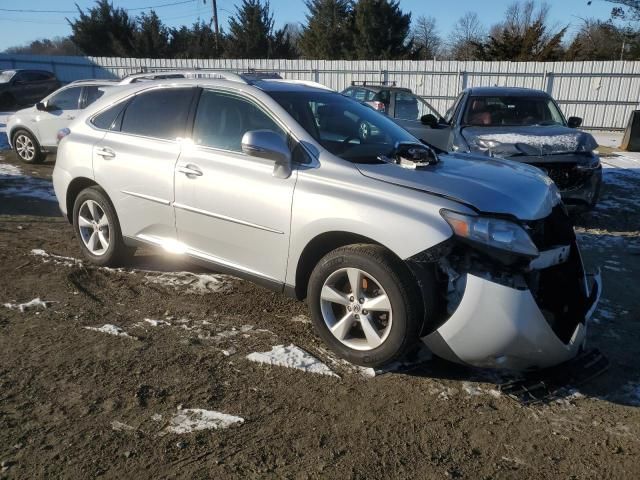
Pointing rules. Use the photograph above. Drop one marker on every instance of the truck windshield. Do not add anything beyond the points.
(511, 111)
(346, 128)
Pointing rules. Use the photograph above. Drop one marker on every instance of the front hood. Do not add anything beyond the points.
(530, 140)
(489, 185)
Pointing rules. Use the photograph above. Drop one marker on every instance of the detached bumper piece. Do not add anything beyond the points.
(548, 384)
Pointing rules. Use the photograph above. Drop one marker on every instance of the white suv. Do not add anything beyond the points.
(32, 132)
(313, 194)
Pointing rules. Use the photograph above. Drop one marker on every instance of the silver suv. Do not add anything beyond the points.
(308, 192)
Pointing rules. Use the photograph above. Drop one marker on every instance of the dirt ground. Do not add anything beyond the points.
(78, 403)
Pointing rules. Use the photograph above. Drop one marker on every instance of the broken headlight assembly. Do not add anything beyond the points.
(591, 162)
(494, 236)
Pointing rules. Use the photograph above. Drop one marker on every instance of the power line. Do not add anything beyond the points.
(20, 10)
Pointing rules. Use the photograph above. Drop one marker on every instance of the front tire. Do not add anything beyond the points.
(27, 147)
(96, 225)
(364, 304)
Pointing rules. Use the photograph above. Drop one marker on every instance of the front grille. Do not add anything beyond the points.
(565, 175)
(553, 230)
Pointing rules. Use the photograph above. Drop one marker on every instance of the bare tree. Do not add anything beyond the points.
(426, 40)
(467, 31)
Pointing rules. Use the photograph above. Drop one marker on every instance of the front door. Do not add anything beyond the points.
(135, 161)
(229, 207)
(62, 108)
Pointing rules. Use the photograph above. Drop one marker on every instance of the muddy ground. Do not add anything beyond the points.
(78, 403)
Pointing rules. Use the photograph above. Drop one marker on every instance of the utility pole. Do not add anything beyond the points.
(214, 19)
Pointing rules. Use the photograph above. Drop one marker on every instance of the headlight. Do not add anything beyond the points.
(592, 162)
(491, 232)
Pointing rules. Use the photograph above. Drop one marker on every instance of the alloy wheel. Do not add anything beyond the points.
(25, 148)
(356, 309)
(94, 227)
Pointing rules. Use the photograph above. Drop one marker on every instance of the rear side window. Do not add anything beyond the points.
(110, 119)
(222, 120)
(66, 99)
(160, 113)
(360, 94)
(92, 93)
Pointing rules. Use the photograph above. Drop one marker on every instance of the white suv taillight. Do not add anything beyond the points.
(379, 106)
(62, 133)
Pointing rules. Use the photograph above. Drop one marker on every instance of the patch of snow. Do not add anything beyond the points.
(110, 329)
(472, 389)
(121, 427)
(291, 357)
(14, 183)
(156, 323)
(228, 352)
(56, 259)
(195, 419)
(301, 319)
(565, 143)
(156, 417)
(36, 303)
(196, 283)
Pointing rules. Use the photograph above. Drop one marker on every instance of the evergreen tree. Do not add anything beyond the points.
(151, 38)
(251, 34)
(328, 33)
(381, 30)
(199, 41)
(103, 31)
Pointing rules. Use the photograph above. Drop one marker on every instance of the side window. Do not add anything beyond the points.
(160, 113)
(66, 99)
(110, 119)
(222, 120)
(383, 96)
(360, 94)
(92, 93)
(348, 92)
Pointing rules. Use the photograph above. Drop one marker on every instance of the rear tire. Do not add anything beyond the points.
(374, 322)
(96, 225)
(27, 147)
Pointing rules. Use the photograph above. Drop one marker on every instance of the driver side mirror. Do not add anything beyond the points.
(41, 106)
(429, 120)
(574, 122)
(269, 145)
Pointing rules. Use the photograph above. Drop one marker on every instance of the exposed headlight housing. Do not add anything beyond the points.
(484, 144)
(494, 233)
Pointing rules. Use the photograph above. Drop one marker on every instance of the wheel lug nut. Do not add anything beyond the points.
(361, 300)
(364, 312)
(357, 316)
(351, 298)
(348, 309)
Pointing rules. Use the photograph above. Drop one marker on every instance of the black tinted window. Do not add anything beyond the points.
(160, 113)
(92, 93)
(107, 119)
(66, 99)
(222, 120)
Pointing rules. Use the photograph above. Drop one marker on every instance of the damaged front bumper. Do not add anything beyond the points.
(502, 327)
(518, 317)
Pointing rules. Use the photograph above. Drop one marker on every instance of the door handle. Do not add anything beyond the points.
(70, 117)
(190, 170)
(105, 152)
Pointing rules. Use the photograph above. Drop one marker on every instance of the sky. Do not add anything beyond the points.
(18, 28)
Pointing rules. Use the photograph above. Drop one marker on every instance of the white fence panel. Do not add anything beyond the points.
(602, 93)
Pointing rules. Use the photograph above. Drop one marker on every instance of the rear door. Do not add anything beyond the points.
(62, 108)
(230, 209)
(135, 161)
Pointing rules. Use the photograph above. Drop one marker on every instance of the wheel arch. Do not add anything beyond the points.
(14, 131)
(318, 247)
(76, 186)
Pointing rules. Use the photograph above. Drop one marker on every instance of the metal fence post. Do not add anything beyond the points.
(385, 76)
(463, 78)
(548, 78)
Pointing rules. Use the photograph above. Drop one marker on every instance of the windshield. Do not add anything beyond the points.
(346, 128)
(6, 75)
(511, 111)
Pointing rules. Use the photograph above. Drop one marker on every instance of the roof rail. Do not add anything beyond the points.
(163, 74)
(373, 84)
(308, 83)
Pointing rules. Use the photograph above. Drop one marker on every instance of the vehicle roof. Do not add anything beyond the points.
(376, 87)
(94, 81)
(508, 91)
(26, 70)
